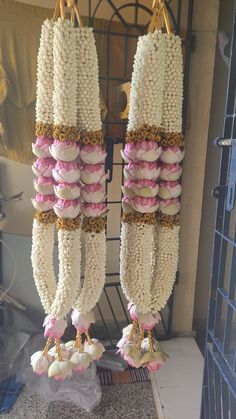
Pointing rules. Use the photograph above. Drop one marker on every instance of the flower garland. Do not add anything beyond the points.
(150, 222)
(92, 192)
(69, 103)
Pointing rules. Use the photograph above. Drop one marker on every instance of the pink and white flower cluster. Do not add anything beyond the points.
(141, 174)
(44, 183)
(66, 174)
(93, 177)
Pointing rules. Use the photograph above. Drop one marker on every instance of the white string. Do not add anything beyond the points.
(15, 269)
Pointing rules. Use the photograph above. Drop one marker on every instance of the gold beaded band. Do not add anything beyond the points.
(169, 139)
(95, 225)
(145, 132)
(169, 221)
(92, 137)
(138, 218)
(68, 223)
(43, 130)
(64, 133)
(47, 217)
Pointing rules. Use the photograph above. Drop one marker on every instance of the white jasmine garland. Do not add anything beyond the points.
(165, 265)
(42, 262)
(147, 84)
(95, 270)
(69, 253)
(135, 264)
(44, 94)
(88, 110)
(173, 85)
(65, 73)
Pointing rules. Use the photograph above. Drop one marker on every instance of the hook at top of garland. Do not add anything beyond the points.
(160, 16)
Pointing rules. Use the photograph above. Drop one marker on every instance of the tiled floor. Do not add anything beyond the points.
(177, 385)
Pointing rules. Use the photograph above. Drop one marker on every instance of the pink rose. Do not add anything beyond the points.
(65, 150)
(168, 190)
(172, 155)
(92, 154)
(93, 210)
(44, 185)
(44, 202)
(54, 328)
(170, 206)
(93, 173)
(66, 172)
(41, 148)
(170, 172)
(43, 167)
(67, 208)
(94, 193)
(67, 190)
(145, 150)
(142, 170)
(143, 205)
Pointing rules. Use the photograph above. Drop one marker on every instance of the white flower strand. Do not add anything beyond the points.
(173, 85)
(65, 77)
(135, 264)
(88, 109)
(42, 262)
(69, 253)
(165, 266)
(147, 84)
(95, 270)
(44, 111)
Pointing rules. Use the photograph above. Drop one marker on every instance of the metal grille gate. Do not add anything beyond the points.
(112, 303)
(219, 386)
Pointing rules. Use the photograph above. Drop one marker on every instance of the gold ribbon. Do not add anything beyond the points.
(160, 17)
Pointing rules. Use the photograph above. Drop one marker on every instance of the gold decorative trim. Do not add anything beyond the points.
(96, 224)
(64, 133)
(169, 139)
(47, 217)
(92, 137)
(138, 218)
(145, 132)
(43, 130)
(169, 221)
(68, 223)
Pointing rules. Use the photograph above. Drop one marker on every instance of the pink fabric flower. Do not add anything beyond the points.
(41, 148)
(145, 150)
(44, 185)
(67, 208)
(93, 173)
(133, 312)
(142, 170)
(172, 155)
(66, 172)
(44, 202)
(65, 150)
(170, 172)
(143, 205)
(93, 210)
(94, 193)
(82, 322)
(67, 190)
(54, 328)
(170, 206)
(142, 187)
(168, 190)
(92, 154)
(43, 167)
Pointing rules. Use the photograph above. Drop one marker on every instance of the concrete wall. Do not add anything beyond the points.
(201, 78)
